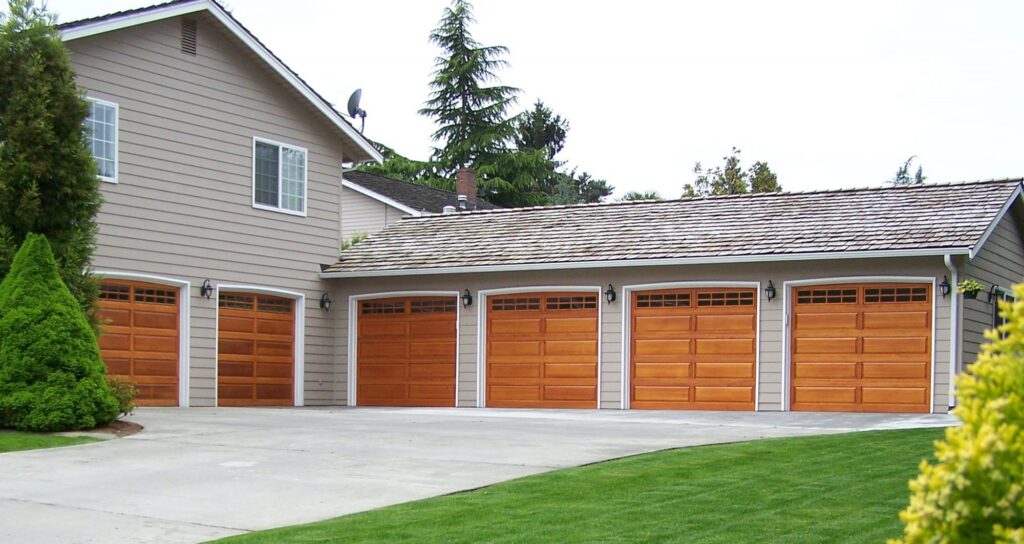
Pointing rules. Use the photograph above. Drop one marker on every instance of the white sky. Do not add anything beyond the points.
(830, 95)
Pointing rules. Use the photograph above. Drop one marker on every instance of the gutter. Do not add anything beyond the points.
(954, 327)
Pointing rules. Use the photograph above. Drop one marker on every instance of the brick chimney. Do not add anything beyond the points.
(465, 184)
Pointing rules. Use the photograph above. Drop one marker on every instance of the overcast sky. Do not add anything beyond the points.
(829, 95)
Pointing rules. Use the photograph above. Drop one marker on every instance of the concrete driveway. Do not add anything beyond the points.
(196, 474)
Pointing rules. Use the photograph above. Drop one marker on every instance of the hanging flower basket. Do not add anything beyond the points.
(969, 288)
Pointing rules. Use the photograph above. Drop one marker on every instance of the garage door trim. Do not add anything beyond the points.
(184, 306)
(353, 315)
(626, 300)
(481, 337)
(298, 377)
(787, 314)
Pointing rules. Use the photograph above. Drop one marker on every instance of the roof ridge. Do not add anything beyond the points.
(921, 186)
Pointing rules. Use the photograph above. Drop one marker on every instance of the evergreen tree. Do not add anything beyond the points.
(903, 176)
(641, 195)
(731, 179)
(762, 179)
(48, 180)
(51, 375)
(541, 128)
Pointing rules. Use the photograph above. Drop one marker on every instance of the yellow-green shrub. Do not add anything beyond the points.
(974, 492)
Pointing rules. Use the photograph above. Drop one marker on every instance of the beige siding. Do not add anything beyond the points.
(771, 316)
(363, 214)
(182, 207)
(999, 262)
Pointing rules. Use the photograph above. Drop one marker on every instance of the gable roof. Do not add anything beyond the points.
(82, 28)
(849, 223)
(411, 198)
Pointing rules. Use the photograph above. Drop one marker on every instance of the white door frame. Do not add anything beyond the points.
(353, 330)
(787, 322)
(627, 328)
(299, 331)
(481, 347)
(184, 320)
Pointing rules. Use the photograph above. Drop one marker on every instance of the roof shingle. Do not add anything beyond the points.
(417, 197)
(874, 219)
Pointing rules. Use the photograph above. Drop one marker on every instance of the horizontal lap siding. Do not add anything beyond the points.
(999, 262)
(770, 336)
(183, 204)
(362, 214)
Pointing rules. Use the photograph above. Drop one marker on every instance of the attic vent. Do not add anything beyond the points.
(189, 29)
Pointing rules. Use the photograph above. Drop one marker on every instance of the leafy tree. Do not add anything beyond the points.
(48, 180)
(540, 128)
(396, 166)
(903, 177)
(731, 179)
(641, 195)
(51, 375)
(974, 492)
(590, 189)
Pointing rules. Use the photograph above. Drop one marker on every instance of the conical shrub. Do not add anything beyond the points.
(51, 375)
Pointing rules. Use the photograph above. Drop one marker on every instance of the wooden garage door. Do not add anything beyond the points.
(542, 350)
(693, 349)
(861, 348)
(406, 352)
(255, 350)
(140, 338)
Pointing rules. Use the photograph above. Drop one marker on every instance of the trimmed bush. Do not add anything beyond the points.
(51, 375)
(125, 392)
(975, 490)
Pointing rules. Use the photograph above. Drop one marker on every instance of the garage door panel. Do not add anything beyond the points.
(118, 365)
(273, 391)
(676, 325)
(725, 323)
(271, 348)
(825, 321)
(654, 393)
(227, 391)
(669, 371)
(723, 370)
(157, 320)
(232, 346)
(116, 341)
(154, 368)
(161, 394)
(235, 324)
(724, 346)
(657, 348)
(235, 368)
(275, 327)
(826, 370)
(889, 369)
(885, 361)
(542, 350)
(274, 370)
(705, 393)
(406, 349)
(918, 344)
(116, 316)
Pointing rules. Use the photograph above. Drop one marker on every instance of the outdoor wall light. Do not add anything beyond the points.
(945, 288)
(467, 299)
(770, 291)
(325, 302)
(992, 291)
(609, 294)
(206, 290)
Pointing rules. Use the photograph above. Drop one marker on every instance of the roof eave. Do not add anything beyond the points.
(174, 10)
(728, 259)
(380, 198)
(1017, 196)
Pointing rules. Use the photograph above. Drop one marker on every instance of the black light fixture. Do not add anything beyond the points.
(770, 291)
(325, 302)
(992, 292)
(206, 290)
(467, 299)
(609, 294)
(945, 288)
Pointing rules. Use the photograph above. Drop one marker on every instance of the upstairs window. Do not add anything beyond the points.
(101, 133)
(1000, 294)
(279, 177)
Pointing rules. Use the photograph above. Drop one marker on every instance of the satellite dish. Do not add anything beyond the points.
(354, 110)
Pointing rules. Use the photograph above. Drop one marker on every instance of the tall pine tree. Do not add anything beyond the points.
(48, 182)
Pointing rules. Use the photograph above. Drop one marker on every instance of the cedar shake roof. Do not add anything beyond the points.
(415, 196)
(736, 227)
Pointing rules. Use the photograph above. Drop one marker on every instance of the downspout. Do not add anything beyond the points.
(954, 327)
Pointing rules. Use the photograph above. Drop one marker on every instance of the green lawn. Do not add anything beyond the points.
(841, 488)
(15, 441)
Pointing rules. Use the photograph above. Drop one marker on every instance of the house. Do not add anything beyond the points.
(221, 175)
(822, 301)
(371, 202)
(225, 207)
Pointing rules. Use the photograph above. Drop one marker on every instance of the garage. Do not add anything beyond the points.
(861, 348)
(255, 350)
(542, 350)
(693, 349)
(405, 351)
(140, 338)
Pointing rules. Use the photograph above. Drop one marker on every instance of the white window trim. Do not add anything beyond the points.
(117, 138)
(280, 164)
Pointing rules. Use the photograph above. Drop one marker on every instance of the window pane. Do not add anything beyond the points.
(102, 137)
(293, 182)
(266, 174)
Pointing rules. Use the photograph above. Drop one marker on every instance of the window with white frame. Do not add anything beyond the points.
(101, 131)
(999, 294)
(279, 177)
